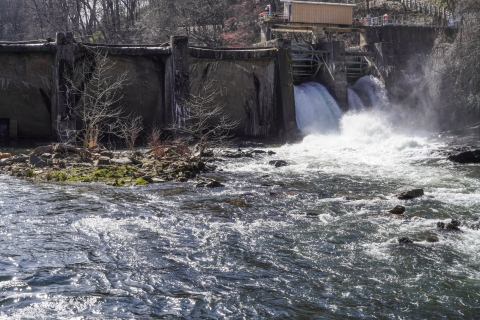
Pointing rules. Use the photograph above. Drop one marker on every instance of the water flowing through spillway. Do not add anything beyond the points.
(316, 109)
(301, 241)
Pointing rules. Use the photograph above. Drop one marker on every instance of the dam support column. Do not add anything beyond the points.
(177, 83)
(335, 76)
(265, 33)
(63, 112)
(285, 95)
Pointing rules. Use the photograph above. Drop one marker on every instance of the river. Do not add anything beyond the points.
(299, 241)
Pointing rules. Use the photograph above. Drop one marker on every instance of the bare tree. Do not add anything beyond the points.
(98, 91)
(204, 121)
(453, 80)
(129, 129)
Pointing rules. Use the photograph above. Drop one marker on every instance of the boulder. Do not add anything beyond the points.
(410, 194)
(432, 239)
(42, 149)
(278, 163)
(206, 154)
(106, 153)
(37, 162)
(232, 155)
(149, 179)
(103, 160)
(124, 161)
(65, 148)
(19, 158)
(398, 210)
(157, 180)
(5, 155)
(200, 165)
(136, 162)
(472, 156)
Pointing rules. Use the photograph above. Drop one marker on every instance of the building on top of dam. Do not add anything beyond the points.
(307, 16)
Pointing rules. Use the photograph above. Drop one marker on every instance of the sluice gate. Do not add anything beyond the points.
(357, 63)
(306, 61)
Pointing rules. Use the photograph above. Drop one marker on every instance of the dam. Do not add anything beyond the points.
(256, 84)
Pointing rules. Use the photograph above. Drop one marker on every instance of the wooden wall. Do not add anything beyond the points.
(328, 13)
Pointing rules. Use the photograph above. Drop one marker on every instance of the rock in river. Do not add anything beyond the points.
(278, 163)
(453, 225)
(472, 156)
(404, 240)
(410, 194)
(398, 210)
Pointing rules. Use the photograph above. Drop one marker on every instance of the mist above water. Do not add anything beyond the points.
(318, 112)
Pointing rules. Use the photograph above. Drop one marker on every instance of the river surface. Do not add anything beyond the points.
(293, 242)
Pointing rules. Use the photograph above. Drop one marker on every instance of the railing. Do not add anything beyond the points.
(433, 10)
(273, 17)
(428, 8)
(404, 20)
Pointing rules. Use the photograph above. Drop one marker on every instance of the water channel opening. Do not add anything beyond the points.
(317, 112)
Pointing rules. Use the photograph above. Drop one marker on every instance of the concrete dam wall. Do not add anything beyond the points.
(255, 85)
(26, 86)
(36, 100)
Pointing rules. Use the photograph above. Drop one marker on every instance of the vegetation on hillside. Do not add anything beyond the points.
(454, 81)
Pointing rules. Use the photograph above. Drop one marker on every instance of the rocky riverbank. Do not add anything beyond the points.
(61, 162)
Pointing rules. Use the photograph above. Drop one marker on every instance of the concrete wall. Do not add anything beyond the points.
(144, 93)
(26, 92)
(255, 84)
(334, 75)
(37, 99)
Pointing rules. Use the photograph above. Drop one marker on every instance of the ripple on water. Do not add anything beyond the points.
(298, 241)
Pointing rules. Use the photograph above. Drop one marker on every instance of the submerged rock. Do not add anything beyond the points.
(214, 184)
(472, 156)
(410, 194)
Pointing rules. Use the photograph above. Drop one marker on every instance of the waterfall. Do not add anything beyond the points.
(368, 92)
(354, 101)
(316, 110)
